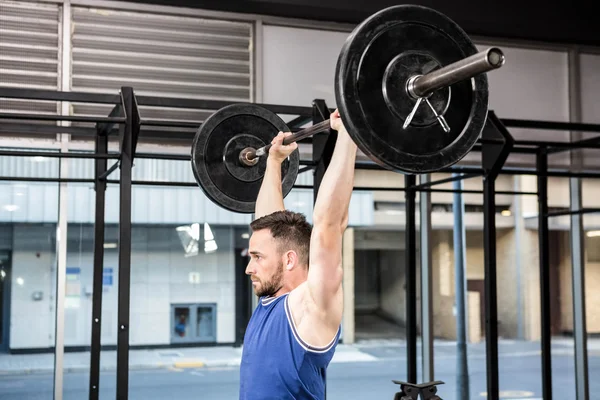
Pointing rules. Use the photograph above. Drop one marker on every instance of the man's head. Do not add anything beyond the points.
(279, 250)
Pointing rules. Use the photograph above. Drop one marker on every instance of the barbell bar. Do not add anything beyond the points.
(411, 89)
(417, 86)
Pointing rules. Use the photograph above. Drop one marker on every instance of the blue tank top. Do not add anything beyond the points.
(276, 363)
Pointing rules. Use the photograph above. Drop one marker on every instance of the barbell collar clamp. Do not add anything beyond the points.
(246, 160)
(467, 68)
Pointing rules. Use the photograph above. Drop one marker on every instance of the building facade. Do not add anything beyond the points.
(188, 254)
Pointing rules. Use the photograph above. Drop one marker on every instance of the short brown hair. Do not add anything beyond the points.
(290, 229)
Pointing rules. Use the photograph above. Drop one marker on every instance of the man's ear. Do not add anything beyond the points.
(291, 259)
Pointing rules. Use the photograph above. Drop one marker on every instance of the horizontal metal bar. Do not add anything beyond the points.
(519, 150)
(56, 154)
(591, 143)
(550, 125)
(174, 124)
(173, 157)
(576, 212)
(396, 189)
(194, 184)
(85, 97)
(173, 102)
(54, 180)
(215, 105)
(525, 171)
(36, 129)
(305, 169)
(557, 144)
(54, 95)
(73, 118)
(45, 129)
(446, 180)
(159, 183)
(470, 191)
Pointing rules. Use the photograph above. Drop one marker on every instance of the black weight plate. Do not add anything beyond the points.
(393, 43)
(215, 151)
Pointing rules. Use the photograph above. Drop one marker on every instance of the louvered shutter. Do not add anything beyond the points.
(29, 53)
(160, 55)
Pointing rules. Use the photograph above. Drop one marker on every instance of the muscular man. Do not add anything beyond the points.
(296, 270)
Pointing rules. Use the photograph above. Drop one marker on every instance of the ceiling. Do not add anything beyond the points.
(568, 23)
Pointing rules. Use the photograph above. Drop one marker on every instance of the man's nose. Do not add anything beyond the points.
(249, 268)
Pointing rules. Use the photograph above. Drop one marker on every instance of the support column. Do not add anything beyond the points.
(491, 302)
(61, 272)
(577, 237)
(578, 281)
(128, 141)
(100, 189)
(460, 243)
(544, 249)
(411, 280)
(64, 84)
(426, 283)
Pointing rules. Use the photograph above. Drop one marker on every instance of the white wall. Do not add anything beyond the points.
(160, 276)
(298, 65)
(33, 271)
(533, 84)
(590, 101)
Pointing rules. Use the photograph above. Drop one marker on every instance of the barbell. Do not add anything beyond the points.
(412, 92)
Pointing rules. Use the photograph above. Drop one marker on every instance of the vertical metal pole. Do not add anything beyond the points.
(411, 280)
(61, 271)
(460, 242)
(519, 227)
(491, 304)
(64, 84)
(577, 238)
(126, 163)
(578, 279)
(426, 283)
(100, 188)
(544, 254)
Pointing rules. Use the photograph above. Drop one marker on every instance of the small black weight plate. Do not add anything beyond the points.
(215, 155)
(395, 43)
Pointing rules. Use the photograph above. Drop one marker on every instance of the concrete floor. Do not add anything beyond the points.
(519, 370)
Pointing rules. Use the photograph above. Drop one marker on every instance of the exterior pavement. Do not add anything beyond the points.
(221, 356)
(178, 358)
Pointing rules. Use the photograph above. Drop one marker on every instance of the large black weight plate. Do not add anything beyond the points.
(390, 45)
(215, 152)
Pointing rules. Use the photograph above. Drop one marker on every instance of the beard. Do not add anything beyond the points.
(270, 287)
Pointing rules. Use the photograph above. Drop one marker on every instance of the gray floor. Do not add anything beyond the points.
(519, 377)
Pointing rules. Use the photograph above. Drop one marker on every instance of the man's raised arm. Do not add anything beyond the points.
(330, 218)
(270, 196)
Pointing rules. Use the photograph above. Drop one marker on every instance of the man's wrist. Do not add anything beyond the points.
(273, 160)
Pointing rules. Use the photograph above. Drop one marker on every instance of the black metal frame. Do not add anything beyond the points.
(125, 121)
